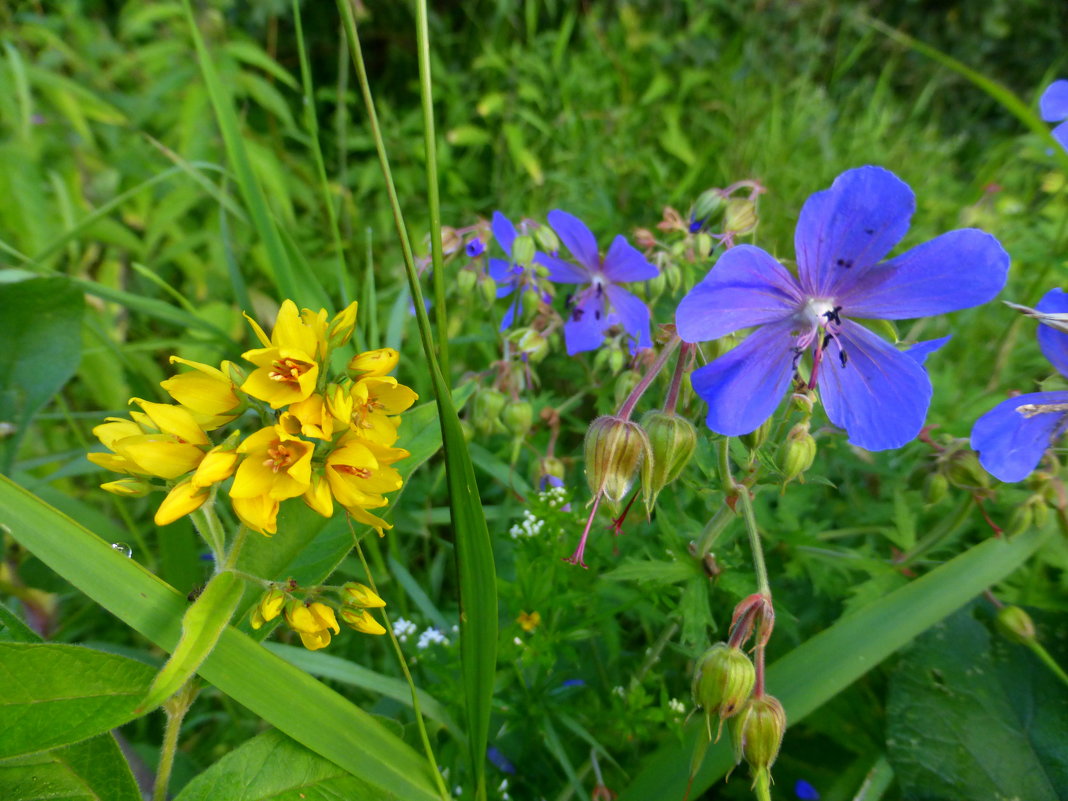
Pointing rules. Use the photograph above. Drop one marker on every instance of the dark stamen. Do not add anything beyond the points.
(832, 315)
(576, 315)
(826, 341)
(847, 263)
(842, 356)
(798, 353)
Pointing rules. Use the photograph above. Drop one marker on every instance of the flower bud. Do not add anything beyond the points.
(1015, 625)
(757, 732)
(546, 239)
(466, 280)
(217, 465)
(269, 607)
(533, 345)
(523, 249)
(517, 417)
(361, 620)
(740, 216)
(488, 406)
(1020, 520)
(702, 246)
(614, 451)
(341, 326)
(964, 471)
(708, 206)
(373, 363)
(672, 440)
(128, 487)
(723, 680)
(935, 487)
(1041, 512)
(184, 497)
(625, 384)
(531, 301)
(797, 452)
(550, 466)
(488, 287)
(754, 439)
(357, 594)
(450, 239)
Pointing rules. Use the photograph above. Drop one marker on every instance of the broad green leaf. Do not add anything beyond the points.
(93, 770)
(973, 718)
(281, 694)
(272, 767)
(55, 695)
(817, 670)
(13, 629)
(40, 346)
(202, 625)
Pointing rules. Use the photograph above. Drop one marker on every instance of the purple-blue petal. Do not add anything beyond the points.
(953, 271)
(845, 230)
(880, 396)
(805, 791)
(512, 311)
(747, 287)
(502, 271)
(577, 237)
(1010, 444)
(624, 263)
(1054, 343)
(503, 231)
(1060, 133)
(632, 314)
(475, 248)
(921, 350)
(1053, 105)
(586, 323)
(562, 272)
(744, 386)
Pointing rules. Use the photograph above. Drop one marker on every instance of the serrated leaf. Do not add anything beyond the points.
(93, 770)
(652, 570)
(272, 767)
(54, 695)
(202, 625)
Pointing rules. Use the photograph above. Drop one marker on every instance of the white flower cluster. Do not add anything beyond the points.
(431, 637)
(529, 526)
(503, 790)
(554, 497)
(677, 706)
(403, 629)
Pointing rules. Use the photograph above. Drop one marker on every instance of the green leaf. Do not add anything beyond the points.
(202, 625)
(40, 346)
(971, 719)
(273, 767)
(55, 695)
(817, 670)
(281, 694)
(93, 770)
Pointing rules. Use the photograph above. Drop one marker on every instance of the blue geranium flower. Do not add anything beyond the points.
(805, 791)
(876, 392)
(602, 304)
(510, 276)
(1012, 436)
(1053, 106)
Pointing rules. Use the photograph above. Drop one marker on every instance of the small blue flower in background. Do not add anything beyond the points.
(876, 392)
(475, 248)
(805, 791)
(1012, 436)
(1053, 106)
(602, 304)
(494, 755)
(510, 277)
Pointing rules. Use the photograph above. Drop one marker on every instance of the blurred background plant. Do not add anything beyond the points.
(120, 189)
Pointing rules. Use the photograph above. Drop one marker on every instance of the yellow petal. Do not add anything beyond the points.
(361, 595)
(324, 616)
(315, 640)
(318, 496)
(202, 392)
(180, 501)
(259, 513)
(361, 620)
(160, 455)
(374, 362)
(217, 465)
(172, 419)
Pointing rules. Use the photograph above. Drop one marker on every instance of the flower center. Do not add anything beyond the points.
(349, 470)
(279, 457)
(820, 324)
(288, 371)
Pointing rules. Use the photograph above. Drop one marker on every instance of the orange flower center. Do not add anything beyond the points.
(288, 371)
(280, 457)
(349, 470)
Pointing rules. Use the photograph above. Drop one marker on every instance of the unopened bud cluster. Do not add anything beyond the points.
(315, 620)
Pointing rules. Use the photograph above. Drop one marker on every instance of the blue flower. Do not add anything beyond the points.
(1053, 106)
(1012, 436)
(475, 248)
(876, 392)
(602, 304)
(509, 276)
(805, 791)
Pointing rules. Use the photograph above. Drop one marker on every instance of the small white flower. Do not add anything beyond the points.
(431, 637)
(529, 526)
(402, 629)
(618, 690)
(517, 641)
(677, 706)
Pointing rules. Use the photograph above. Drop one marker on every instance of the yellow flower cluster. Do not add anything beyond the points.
(322, 440)
(315, 620)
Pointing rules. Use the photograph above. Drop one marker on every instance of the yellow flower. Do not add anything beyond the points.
(164, 440)
(313, 622)
(127, 487)
(217, 465)
(205, 390)
(287, 369)
(361, 595)
(361, 620)
(276, 465)
(184, 497)
(259, 513)
(268, 608)
(359, 472)
(373, 362)
(341, 326)
(318, 496)
(529, 622)
(378, 397)
(310, 417)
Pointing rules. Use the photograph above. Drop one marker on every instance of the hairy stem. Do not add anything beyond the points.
(627, 408)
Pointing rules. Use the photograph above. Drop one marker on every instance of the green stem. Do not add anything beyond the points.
(210, 527)
(1038, 650)
(427, 747)
(235, 548)
(174, 709)
(763, 587)
(947, 527)
(713, 528)
(441, 316)
(635, 394)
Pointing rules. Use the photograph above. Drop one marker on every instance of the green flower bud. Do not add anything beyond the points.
(935, 488)
(533, 344)
(488, 287)
(616, 360)
(1015, 625)
(614, 451)
(1020, 520)
(1041, 512)
(550, 466)
(546, 239)
(466, 280)
(964, 471)
(754, 439)
(709, 205)
(488, 406)
(797, 452)
(740, 216)
(518, 416)
(673, 274)
(531, 301)
(702, 246)
(673, 440)
(626, 382)
(128, 487)
(757, 732)
(523, 249)
(723, 680)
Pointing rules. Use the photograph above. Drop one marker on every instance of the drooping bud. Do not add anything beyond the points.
(614, 451)
(361, 595)
(128, 487)
(740, 216)
(546, 239)
(672, 440)
(217, 465)
(757, 733)
(625, 384)
(450, 239)
(964, 471)
(723, 680)
(341, 326)
(373, 363)
(269, 607)
(1020, 520)
(523, 249)
(935, 487)
(797, 452)
(518, 416)
(488, 406)
(1015, 625)
(708, 206)
(754, 439)
(466, 280)
(488, 287)
(184, 497)
(361, 620)
(531, 301)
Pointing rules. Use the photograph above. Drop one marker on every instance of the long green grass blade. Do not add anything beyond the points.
(477, 573)
(284, 696)
(820, 668)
